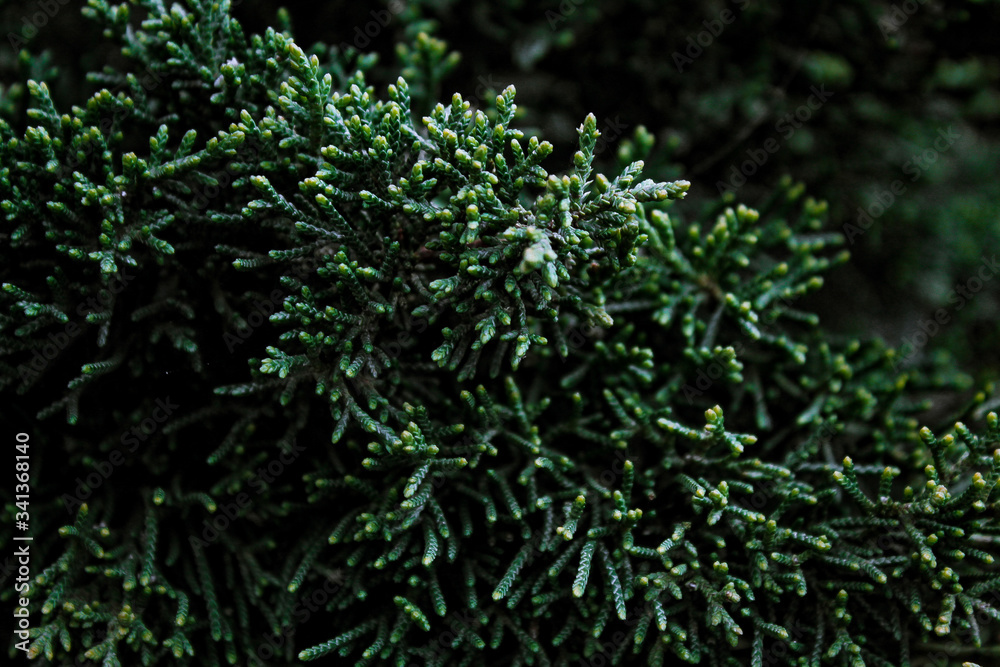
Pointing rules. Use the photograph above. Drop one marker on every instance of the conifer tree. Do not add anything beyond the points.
(339, 381)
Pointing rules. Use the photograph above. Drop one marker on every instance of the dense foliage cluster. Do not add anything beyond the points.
(337, 380)
(726, 87)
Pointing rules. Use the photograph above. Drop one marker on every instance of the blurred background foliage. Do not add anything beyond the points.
(708, 84)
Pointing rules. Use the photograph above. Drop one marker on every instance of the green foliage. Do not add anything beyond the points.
(497, 415)
(713, 92)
